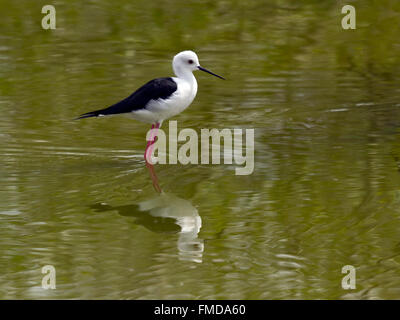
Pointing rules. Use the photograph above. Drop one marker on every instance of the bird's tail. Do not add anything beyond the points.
(91, 114)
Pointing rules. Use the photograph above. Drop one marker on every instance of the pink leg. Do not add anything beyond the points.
(147, 157)
(149, 148)
(149, 142)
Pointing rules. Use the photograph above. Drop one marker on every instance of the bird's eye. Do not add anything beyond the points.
(190, 61)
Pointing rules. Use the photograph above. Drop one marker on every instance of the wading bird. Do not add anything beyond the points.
(161, 98)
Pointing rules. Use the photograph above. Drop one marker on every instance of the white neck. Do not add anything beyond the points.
(185, 74)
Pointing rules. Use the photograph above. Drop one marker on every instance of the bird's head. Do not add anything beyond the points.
(188, 61)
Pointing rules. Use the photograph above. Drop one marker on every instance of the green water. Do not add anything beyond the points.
(325, 191)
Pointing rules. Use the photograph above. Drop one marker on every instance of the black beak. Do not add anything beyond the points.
(205, 70)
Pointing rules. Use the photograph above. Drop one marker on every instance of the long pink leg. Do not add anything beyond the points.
(147, 155)
(149, 142)
(149, 150)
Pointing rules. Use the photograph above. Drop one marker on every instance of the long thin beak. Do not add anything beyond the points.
(205, 70)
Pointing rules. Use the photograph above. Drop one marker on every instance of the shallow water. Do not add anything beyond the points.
(325, 191)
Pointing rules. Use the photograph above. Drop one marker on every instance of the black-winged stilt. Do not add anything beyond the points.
(161, 98)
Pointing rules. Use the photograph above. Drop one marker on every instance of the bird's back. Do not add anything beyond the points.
(160, 88)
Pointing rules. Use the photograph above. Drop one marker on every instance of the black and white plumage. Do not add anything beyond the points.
(160, 88)
(161, 98)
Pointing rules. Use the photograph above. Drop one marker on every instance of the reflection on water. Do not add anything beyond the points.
(167, 213)
(187, 218)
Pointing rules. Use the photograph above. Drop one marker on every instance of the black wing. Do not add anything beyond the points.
(160, 88)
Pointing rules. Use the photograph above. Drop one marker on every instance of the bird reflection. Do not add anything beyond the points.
(186, 216)
(166, 213)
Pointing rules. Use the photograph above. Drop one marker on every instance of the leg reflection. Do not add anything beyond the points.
(153, 177)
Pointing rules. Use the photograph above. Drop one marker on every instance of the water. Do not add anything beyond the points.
(325, 106)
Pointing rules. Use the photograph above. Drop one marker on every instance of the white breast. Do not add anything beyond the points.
(162, 109)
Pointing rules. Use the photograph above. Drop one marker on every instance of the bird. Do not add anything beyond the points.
(160, 98)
